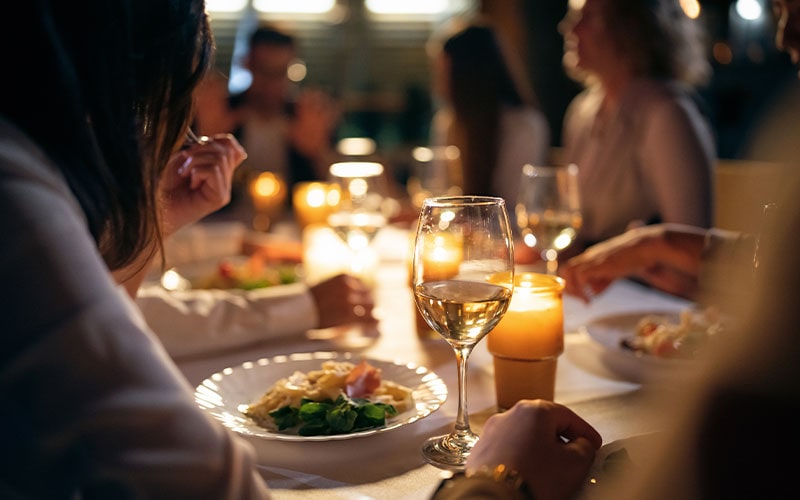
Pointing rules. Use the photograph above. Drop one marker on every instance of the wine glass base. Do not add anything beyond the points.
(449, 451)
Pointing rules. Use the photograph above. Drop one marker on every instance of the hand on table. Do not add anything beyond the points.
(549, 445)
(343, 299)
(666, 256)
(197, 181)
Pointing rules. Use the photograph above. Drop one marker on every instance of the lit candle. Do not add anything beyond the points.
(528, 340)
(326, 255)
(440, 260)
(314, 201)
(268, 192)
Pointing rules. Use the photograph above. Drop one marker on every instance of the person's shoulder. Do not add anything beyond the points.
(656, 93)
(18, 151)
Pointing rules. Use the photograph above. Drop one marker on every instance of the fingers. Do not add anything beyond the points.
(343, 299)
(572, 427)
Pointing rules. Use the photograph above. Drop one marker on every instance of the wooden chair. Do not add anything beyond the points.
(742, 188)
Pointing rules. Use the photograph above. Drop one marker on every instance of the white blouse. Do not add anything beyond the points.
(650, 159)
(92, 404)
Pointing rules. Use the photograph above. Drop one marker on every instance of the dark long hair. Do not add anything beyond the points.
(104, 88)
(482, 81)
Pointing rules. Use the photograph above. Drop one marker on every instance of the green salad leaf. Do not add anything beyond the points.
(343, 416)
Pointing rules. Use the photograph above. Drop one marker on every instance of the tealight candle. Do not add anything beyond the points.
(441, 260)
(268, 192)
(326, 255)
(526, 343)
(313, 202)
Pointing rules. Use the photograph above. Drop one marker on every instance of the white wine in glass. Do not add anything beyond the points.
(549, 210)
(464, 304)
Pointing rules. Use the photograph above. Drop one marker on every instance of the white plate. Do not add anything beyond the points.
(609, 331)
(227, 393)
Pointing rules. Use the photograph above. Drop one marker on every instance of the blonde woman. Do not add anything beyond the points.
(644, 148)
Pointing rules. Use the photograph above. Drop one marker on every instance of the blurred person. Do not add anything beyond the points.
(283, 131)
(197, 321)
(212, 113)
(644, 148)
(487, 109)
(91, 402)
(717, 446)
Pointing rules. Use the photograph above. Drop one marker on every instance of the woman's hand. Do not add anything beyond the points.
(197, 181)
(548, 444)
(342, 300)
(666, 256)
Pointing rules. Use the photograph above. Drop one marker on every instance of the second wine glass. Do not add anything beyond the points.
(464, 303)
(549, 210)
(358, 216)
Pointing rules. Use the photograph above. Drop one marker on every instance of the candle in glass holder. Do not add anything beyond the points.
(313, 202)
(268, 193)
(526, 343)
(441, 260)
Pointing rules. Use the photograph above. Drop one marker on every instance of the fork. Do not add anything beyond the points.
(193, 138)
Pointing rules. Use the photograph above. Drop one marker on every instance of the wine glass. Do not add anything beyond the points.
(358, 217)
(462, 303)
(549, 210)
(436, 171)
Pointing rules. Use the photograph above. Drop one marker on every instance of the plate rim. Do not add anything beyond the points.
(430, 379)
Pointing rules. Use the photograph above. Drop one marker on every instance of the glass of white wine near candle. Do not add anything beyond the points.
(464, 303)
(549, 210)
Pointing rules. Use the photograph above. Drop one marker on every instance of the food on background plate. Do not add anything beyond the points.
(340, 398)
(661, 336)
(248, 273)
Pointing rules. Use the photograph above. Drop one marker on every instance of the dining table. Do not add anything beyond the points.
(390, 465)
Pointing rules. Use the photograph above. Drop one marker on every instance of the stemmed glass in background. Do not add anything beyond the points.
(358, 216)
(549, 210)
(465, 304)
(436, 171)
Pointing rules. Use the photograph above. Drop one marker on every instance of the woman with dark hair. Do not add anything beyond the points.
(489, 111)
(89, 185)
(643, 146)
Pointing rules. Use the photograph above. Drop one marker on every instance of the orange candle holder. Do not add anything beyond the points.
(527, 342)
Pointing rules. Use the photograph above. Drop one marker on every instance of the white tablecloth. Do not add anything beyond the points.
(389, 465)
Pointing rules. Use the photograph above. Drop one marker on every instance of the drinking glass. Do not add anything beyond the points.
(358, 216)
(465, 304)
(436, 171)
(549, 210)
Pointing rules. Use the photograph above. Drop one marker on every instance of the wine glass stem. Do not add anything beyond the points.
(462, 418)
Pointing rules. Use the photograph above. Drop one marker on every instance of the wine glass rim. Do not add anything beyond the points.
(441, 201)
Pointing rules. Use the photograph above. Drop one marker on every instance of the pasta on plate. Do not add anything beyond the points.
(337, 387)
